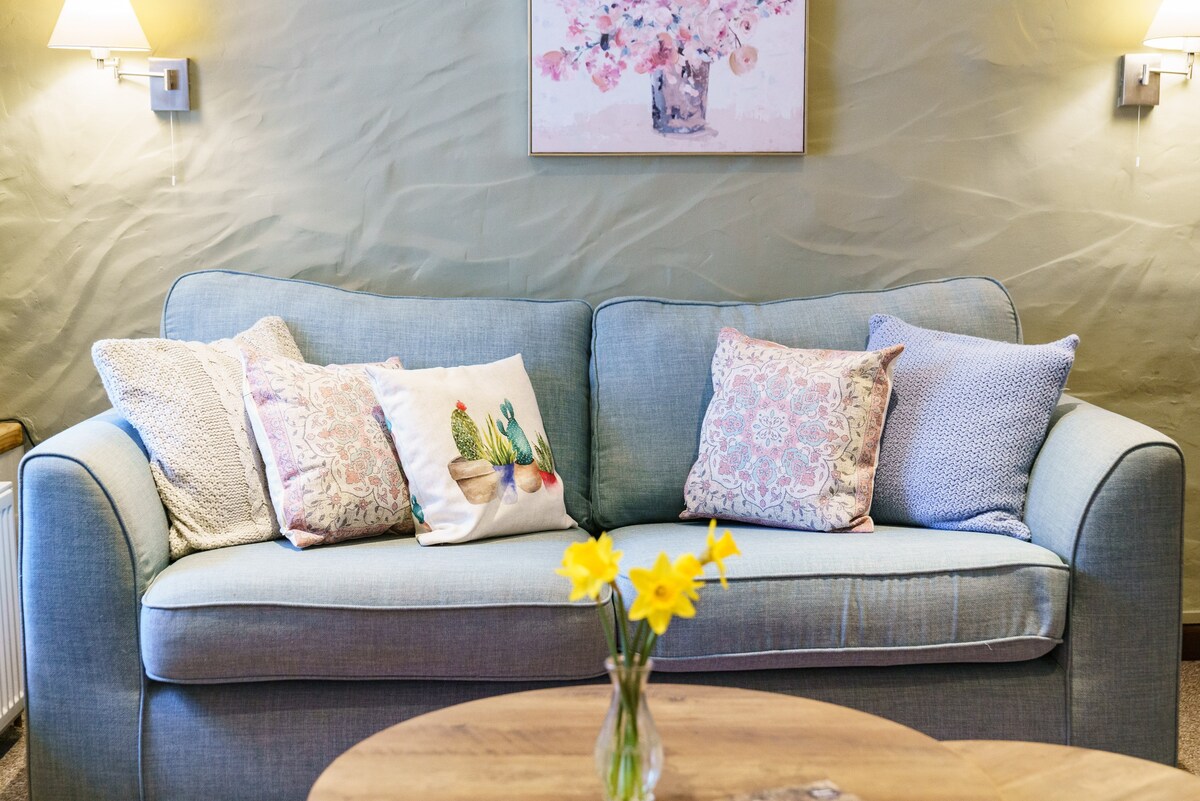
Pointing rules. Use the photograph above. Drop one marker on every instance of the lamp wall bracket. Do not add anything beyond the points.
(169, 84)
(1140, 80)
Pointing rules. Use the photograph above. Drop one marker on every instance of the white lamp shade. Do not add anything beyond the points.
(1176, 26)
(98, 25)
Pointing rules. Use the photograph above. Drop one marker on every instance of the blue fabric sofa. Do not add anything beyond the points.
(241, 673)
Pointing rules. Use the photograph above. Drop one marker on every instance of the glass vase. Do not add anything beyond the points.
(629, 753)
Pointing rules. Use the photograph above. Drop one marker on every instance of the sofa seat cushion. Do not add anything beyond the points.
(897, 596)
(371, 609)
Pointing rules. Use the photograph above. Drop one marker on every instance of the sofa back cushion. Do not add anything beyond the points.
(337, 326)
(651, 373)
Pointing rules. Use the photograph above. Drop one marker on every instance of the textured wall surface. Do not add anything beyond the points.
(380, 145)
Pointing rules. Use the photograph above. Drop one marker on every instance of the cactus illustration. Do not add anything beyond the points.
(417, 513)
(515, 434)
(496, 448)
(545, 456)
(465, 433)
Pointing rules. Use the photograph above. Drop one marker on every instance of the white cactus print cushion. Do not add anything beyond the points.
(474, 449)
(332, 470)
(791, 437)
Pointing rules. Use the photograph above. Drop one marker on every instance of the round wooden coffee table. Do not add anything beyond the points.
(1039, 772)
(720, 743)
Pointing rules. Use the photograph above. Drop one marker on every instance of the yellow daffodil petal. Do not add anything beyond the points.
(664, 591)
(590, 565)
(720, 550)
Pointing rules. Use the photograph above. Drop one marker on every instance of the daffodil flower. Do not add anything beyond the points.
(590, 565)
(665, 591)
(717, 551)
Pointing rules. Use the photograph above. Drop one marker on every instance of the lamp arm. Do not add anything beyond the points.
(170, 77)
(1147, 70)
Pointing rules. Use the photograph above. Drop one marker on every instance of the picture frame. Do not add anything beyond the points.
(668, 77)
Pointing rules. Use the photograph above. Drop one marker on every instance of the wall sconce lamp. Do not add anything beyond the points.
(1176, 26)
(103, 26)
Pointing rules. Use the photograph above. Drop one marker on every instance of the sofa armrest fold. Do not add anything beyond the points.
(1106, 495)
(93, 537)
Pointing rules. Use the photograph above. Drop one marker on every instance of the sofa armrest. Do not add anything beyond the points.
(93, 536)
(1106, 495)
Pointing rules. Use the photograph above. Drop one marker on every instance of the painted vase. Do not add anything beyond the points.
(679, 97)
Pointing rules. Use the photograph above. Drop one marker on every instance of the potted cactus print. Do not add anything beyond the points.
(545, 462)
(471, 469)
(525, 472)
(418, 514)
(500, 454)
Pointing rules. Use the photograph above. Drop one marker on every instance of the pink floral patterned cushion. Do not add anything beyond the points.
(332, 470)
(791, 437)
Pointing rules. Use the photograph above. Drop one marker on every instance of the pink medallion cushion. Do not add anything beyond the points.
(791, 437)
(332, 470)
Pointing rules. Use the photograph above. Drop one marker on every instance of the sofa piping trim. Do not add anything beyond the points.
(948, 571)
(330, 287)
(379, 677)
(871, 649)
(1083, 520)
(365, 608)
(133, 570)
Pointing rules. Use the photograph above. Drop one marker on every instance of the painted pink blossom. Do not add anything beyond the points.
(656, 54)
(552, 64)
(604, 39)
(607, 75)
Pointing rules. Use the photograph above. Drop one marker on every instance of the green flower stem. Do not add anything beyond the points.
(625, 774)
(648, 649)
(639, 642)
(606, 622)
(623, 621)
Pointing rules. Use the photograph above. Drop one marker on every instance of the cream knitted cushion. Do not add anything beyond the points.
(185, 400)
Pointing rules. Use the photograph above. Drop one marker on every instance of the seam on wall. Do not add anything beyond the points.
(1083, 520)
(136, 601)
(333, 288)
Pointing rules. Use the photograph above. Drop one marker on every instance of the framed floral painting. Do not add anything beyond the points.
(667, 77)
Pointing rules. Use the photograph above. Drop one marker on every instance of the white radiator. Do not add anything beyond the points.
(12, 669)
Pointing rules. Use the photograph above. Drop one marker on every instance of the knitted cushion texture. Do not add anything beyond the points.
(185, 400)
(967, 419)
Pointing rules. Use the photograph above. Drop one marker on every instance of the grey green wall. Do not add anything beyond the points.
(379, 144)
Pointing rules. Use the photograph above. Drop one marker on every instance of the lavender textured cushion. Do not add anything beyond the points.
(791, 436)
(968, 417)
(332, 469)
